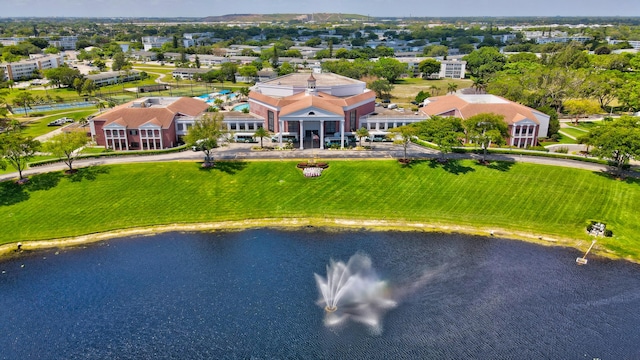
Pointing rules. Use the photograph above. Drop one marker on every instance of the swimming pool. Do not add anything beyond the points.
(241, 107)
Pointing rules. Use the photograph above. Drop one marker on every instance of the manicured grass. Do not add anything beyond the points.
(405, 90)
(573, 131)
(561, 140)
(551, 200)
(39, 127)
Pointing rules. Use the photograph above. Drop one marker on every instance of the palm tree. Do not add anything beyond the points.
(478, 84)
(362, 133)
(452, 87)
(261, 133)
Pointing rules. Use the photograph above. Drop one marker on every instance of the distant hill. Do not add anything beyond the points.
(319, 17)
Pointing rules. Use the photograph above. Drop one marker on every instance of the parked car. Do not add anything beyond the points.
(60, 122)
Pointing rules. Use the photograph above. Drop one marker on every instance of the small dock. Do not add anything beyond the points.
(583, 260)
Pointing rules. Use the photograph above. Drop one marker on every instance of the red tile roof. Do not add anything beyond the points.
(162, 116)
(469, 105)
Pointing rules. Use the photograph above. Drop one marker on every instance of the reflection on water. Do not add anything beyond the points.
(252, 294)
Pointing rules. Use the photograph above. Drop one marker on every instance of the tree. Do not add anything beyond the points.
(436, 50)
(485, 129)
(618, 141)
(421, 96)
(67, 145)
(554, 123)
(452, 87)
(285, 69)
(446, 132)
(24, 99)
(389, 68)
(362, 133)
(629, 95)
(580, 107)
(244, 91)
(261, 133)
(204, 135)
(485, 61)
(119, 61)
(17, 150)
(197, 61)
(405, 133)
(382, 88)
(428, 67)
(77, 84)
(479, 84)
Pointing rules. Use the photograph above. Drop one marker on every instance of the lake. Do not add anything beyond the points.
(252, 294)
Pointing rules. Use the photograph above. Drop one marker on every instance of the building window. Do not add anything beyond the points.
(233, 126)
(250, 126)
(352, 120)
(330, 127)
(270, 126)
(133, 132)
(180, 127)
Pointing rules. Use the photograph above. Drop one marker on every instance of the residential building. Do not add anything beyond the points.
(61, 42)
(187, 73)
(525, 124)
(146, 123)
(150, 42)
(114, 77)
(26, 69)
(452, 69)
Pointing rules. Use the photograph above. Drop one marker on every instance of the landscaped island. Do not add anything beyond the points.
(520, 200)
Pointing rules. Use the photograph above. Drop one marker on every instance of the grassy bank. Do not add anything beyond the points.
(547, 201)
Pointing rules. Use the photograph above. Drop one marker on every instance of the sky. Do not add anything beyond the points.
(377, 8)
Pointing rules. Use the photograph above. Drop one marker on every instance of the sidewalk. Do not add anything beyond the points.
(239, 152)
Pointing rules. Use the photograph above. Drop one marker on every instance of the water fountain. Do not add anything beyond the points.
(353, 291)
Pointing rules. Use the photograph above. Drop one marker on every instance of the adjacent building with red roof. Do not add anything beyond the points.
(526, 125)
(147, 123)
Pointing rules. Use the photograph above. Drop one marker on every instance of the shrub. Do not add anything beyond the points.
(563, 150)
(608, 233)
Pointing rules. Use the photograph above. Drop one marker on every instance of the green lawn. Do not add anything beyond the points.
(561, 140)
(39, 127)
(574, 131)
(551, 200)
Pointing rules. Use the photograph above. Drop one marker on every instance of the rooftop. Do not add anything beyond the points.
(322, 80)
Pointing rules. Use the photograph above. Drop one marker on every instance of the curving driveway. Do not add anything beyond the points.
(244, 152)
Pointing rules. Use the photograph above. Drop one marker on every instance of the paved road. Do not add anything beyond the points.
(244, 152)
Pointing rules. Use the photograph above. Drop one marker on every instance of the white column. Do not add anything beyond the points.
(301, 135)
(161, 144)
(512, 140)
(126, 139)
(342, 134)
(106, 139)
(321, 134)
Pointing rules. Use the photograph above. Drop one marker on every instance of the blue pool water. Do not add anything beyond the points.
(241, 107)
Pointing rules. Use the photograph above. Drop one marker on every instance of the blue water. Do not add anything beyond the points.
(241, 107)
(37, 108)
(252, 294)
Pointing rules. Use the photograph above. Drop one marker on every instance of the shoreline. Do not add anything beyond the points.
(305, 223)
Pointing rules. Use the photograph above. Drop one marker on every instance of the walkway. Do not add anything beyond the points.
(244, 152)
